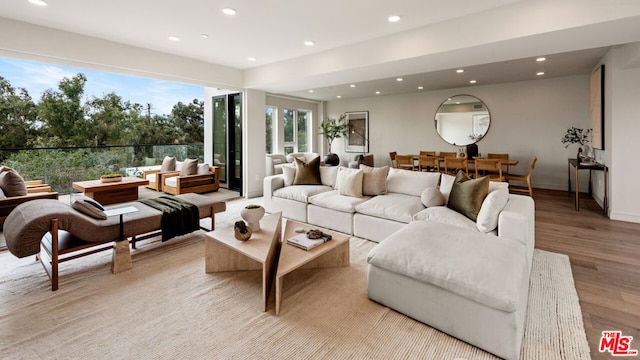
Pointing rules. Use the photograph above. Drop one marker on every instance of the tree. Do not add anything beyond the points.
(18, 117)
(189, 119)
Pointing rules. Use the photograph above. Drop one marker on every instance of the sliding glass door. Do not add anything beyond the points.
(227, 139)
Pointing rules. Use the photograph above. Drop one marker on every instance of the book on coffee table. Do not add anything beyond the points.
(303, 242)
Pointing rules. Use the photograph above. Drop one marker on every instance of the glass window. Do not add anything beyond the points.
(289, 125)
(302, 123)
(269, 126)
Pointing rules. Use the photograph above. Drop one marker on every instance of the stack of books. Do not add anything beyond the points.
(302, 241)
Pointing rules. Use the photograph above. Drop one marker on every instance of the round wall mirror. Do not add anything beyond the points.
(462, 120)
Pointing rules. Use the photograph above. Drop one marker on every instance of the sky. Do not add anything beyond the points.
(38, 77)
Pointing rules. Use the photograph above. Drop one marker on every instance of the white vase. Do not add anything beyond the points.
(252, 217)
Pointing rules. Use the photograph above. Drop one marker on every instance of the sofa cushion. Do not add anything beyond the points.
(374, 181)
(328, 175)
(468, 194)
(168, 164)
(392, 206)
(480, 267)
(432, 196)
(492, 205)
(307, 173)
(351, 184)
(189, 167)
(333, 200)
(288, 173)
(410, 182)
(444, 215)
(11, 183)
(300, 193)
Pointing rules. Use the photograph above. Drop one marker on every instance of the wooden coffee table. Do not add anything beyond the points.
(111, 192)
(223, 252)
(333, 253)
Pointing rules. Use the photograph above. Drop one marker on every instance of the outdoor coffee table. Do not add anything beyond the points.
(111, 192)
(333, 253)
(223, 252)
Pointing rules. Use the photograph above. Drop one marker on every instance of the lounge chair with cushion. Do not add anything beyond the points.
(191, 178)
(56, 231)
(15, 191)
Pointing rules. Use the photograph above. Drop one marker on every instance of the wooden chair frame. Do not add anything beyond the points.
(405, 162)
(453, 164)
(523, 178)
(489, 167)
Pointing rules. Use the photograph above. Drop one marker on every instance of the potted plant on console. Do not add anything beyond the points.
(110, 178)
(332, 129)
(580, 136)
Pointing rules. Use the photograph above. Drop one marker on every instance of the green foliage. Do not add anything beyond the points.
(334, 128)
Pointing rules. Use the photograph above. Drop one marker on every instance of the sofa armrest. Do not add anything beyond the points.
(269, 166)
(149, 172)
(517, 222)
(271, 184)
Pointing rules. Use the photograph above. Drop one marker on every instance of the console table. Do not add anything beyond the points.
(587, 166)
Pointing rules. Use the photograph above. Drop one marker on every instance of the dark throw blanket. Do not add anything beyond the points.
(179, 217)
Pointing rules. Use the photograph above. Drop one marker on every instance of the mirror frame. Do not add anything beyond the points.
(475, 120)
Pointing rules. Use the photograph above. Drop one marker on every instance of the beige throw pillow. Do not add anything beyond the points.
(468, 194)
(89, 207)
(168, 164)
(11, 183)
(289, 174)
(351, 184)
(374, 180)
(189, 167)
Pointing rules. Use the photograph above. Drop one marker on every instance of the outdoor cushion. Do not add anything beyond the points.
(189, 167)
(168, 164)
(392, 206)
(11, 183)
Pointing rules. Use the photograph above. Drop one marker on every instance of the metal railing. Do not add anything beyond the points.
(59, 167)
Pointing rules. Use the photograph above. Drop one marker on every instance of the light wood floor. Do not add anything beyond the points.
(605, 260)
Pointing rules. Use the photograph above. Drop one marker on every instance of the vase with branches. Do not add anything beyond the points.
(332, 129)
(575, 135)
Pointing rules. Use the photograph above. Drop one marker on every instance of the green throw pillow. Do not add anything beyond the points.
(468, 194)
(307, 173)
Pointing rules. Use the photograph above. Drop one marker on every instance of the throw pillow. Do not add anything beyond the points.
(446, 183)
(11, 183)
(328, 175)
(468, 194)
(351, 184)
(203, 169)
(492, 205)
(288, 173)
(410, 182)
(89, 207)
(342, 172)
(168, 164)
(431, 196)
(189, 167)
(307, 173)
(374, 180)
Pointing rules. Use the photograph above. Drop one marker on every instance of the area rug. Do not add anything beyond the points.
(167, 307)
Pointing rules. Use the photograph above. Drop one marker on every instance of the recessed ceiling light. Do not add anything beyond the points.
(309, 43)
(378, 93)
(353, 85)
(541, 59)
(460, 71)
(38, 2)
(420, 87)
(228, 11)
(310, 91)
(174, 38)
(339, 96)
(473, 81)
(457, 102)
(204, 36)
(394, 18)
(399, 79)
(540, 73)
(251, 58)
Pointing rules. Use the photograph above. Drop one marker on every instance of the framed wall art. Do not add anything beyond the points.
(357, 132)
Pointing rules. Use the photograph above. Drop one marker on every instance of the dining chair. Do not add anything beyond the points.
(428, 163)
(505, 168)
(453, 164)
(405, 162)
(446, 154)
(429, 153)
(392, 156)
(489, 167)
(523, 178)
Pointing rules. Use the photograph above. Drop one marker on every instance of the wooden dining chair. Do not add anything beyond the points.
(489, 167)
(446, 154)
(505, 168)
(453, 164)
(429, 153)
(405, 162)
(523, 178)
(392, 156)
(428, 163)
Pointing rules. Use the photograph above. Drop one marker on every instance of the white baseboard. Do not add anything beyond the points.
(634, 218)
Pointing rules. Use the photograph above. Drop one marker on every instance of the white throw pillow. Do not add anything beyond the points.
(374, 180)
(432, 196)
(351, 183)
(89, 207)
(289, 174)
(202, 169)
(492, 205)
(328, 175)
(342, 171)
(446, 183)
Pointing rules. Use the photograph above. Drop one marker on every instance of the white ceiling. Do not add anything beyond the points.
(493, 40)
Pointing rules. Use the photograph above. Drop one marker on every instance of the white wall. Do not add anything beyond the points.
(527, 118)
